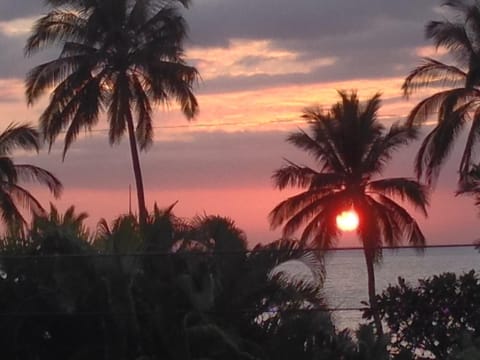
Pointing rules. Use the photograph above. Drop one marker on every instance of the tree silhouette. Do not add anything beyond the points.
(457, 104)
(118, 56)
(351, 147)
(13, 196)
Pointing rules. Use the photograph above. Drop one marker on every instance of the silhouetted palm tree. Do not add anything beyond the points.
(351, 147)
(121, 56)
(457, 104)
(12, 194)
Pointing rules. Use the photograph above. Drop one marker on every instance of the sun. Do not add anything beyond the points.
(347, 220)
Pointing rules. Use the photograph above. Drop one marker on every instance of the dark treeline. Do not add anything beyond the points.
(69, 294)
(55, 306)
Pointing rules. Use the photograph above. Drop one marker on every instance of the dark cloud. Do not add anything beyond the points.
(13, 63)
(214, 21)
(369, 38)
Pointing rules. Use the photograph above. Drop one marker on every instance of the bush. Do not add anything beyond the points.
(433, 318)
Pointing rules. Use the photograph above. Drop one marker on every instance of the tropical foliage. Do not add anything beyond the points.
(351, 148)
(439, 316)
(13, 195)
(195, 292)
(121, 56)
(457, 104)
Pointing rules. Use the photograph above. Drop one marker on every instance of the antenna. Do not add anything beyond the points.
(130, 199)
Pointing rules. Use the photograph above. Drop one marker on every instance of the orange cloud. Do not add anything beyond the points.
(252, 57)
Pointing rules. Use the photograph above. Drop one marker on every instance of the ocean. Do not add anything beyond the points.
(346, 274)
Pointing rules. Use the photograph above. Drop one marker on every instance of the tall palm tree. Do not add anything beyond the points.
(13, 195)
(351, 148)
(454, 106)
(118, 56)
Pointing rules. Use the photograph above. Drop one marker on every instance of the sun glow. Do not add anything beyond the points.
(347, 220)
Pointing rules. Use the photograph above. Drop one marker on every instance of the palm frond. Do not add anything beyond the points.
(322, 229)
(23, 198)
(403, 188)
(382, 147)
(437, 145)
(8, 208)
(8, 173)
(389, 225)
(143, 109)
(285, 272)
(173, 80)
(218, 233)
(293, 204)
(87, 111)
(54, 28)
(434, 103)
(333, 200)
(370, 111)
(26, 172)
(17, 136)
(66, 99)
(323, 151)
(432, 72)
(119, 111)
(452, 36)
(294, 175)
(103, 230)
(44, 76)
(411, 230)
(472, 140)
(166, 24)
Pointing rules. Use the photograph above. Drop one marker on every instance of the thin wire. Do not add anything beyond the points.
(125, 313)
(224, 252)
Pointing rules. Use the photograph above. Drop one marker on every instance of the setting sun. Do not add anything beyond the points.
(347, 220)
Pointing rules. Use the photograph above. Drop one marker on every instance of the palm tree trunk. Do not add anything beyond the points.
(369, 259)
(142, 209)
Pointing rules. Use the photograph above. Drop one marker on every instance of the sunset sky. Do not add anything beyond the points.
(261, 63)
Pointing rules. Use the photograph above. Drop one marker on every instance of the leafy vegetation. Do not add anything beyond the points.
(457, 104)
(351, 148)
(13, 195)
(439, 316)
(59, 285)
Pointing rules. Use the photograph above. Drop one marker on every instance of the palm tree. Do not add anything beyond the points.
(351, 147)
(457, 104)
(121, 56)
(12, 194)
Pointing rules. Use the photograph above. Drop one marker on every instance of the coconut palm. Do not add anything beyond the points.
(460, 101)
(351, 148)
(14, 196)
(118, 56)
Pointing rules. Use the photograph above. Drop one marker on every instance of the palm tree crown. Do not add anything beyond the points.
(457, 104)
(12, 194)
(121, 56)
(351, 148)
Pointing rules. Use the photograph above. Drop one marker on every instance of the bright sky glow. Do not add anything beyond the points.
(248, 58)
(17, 27)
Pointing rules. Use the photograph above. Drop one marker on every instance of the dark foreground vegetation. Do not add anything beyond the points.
(191, 290)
